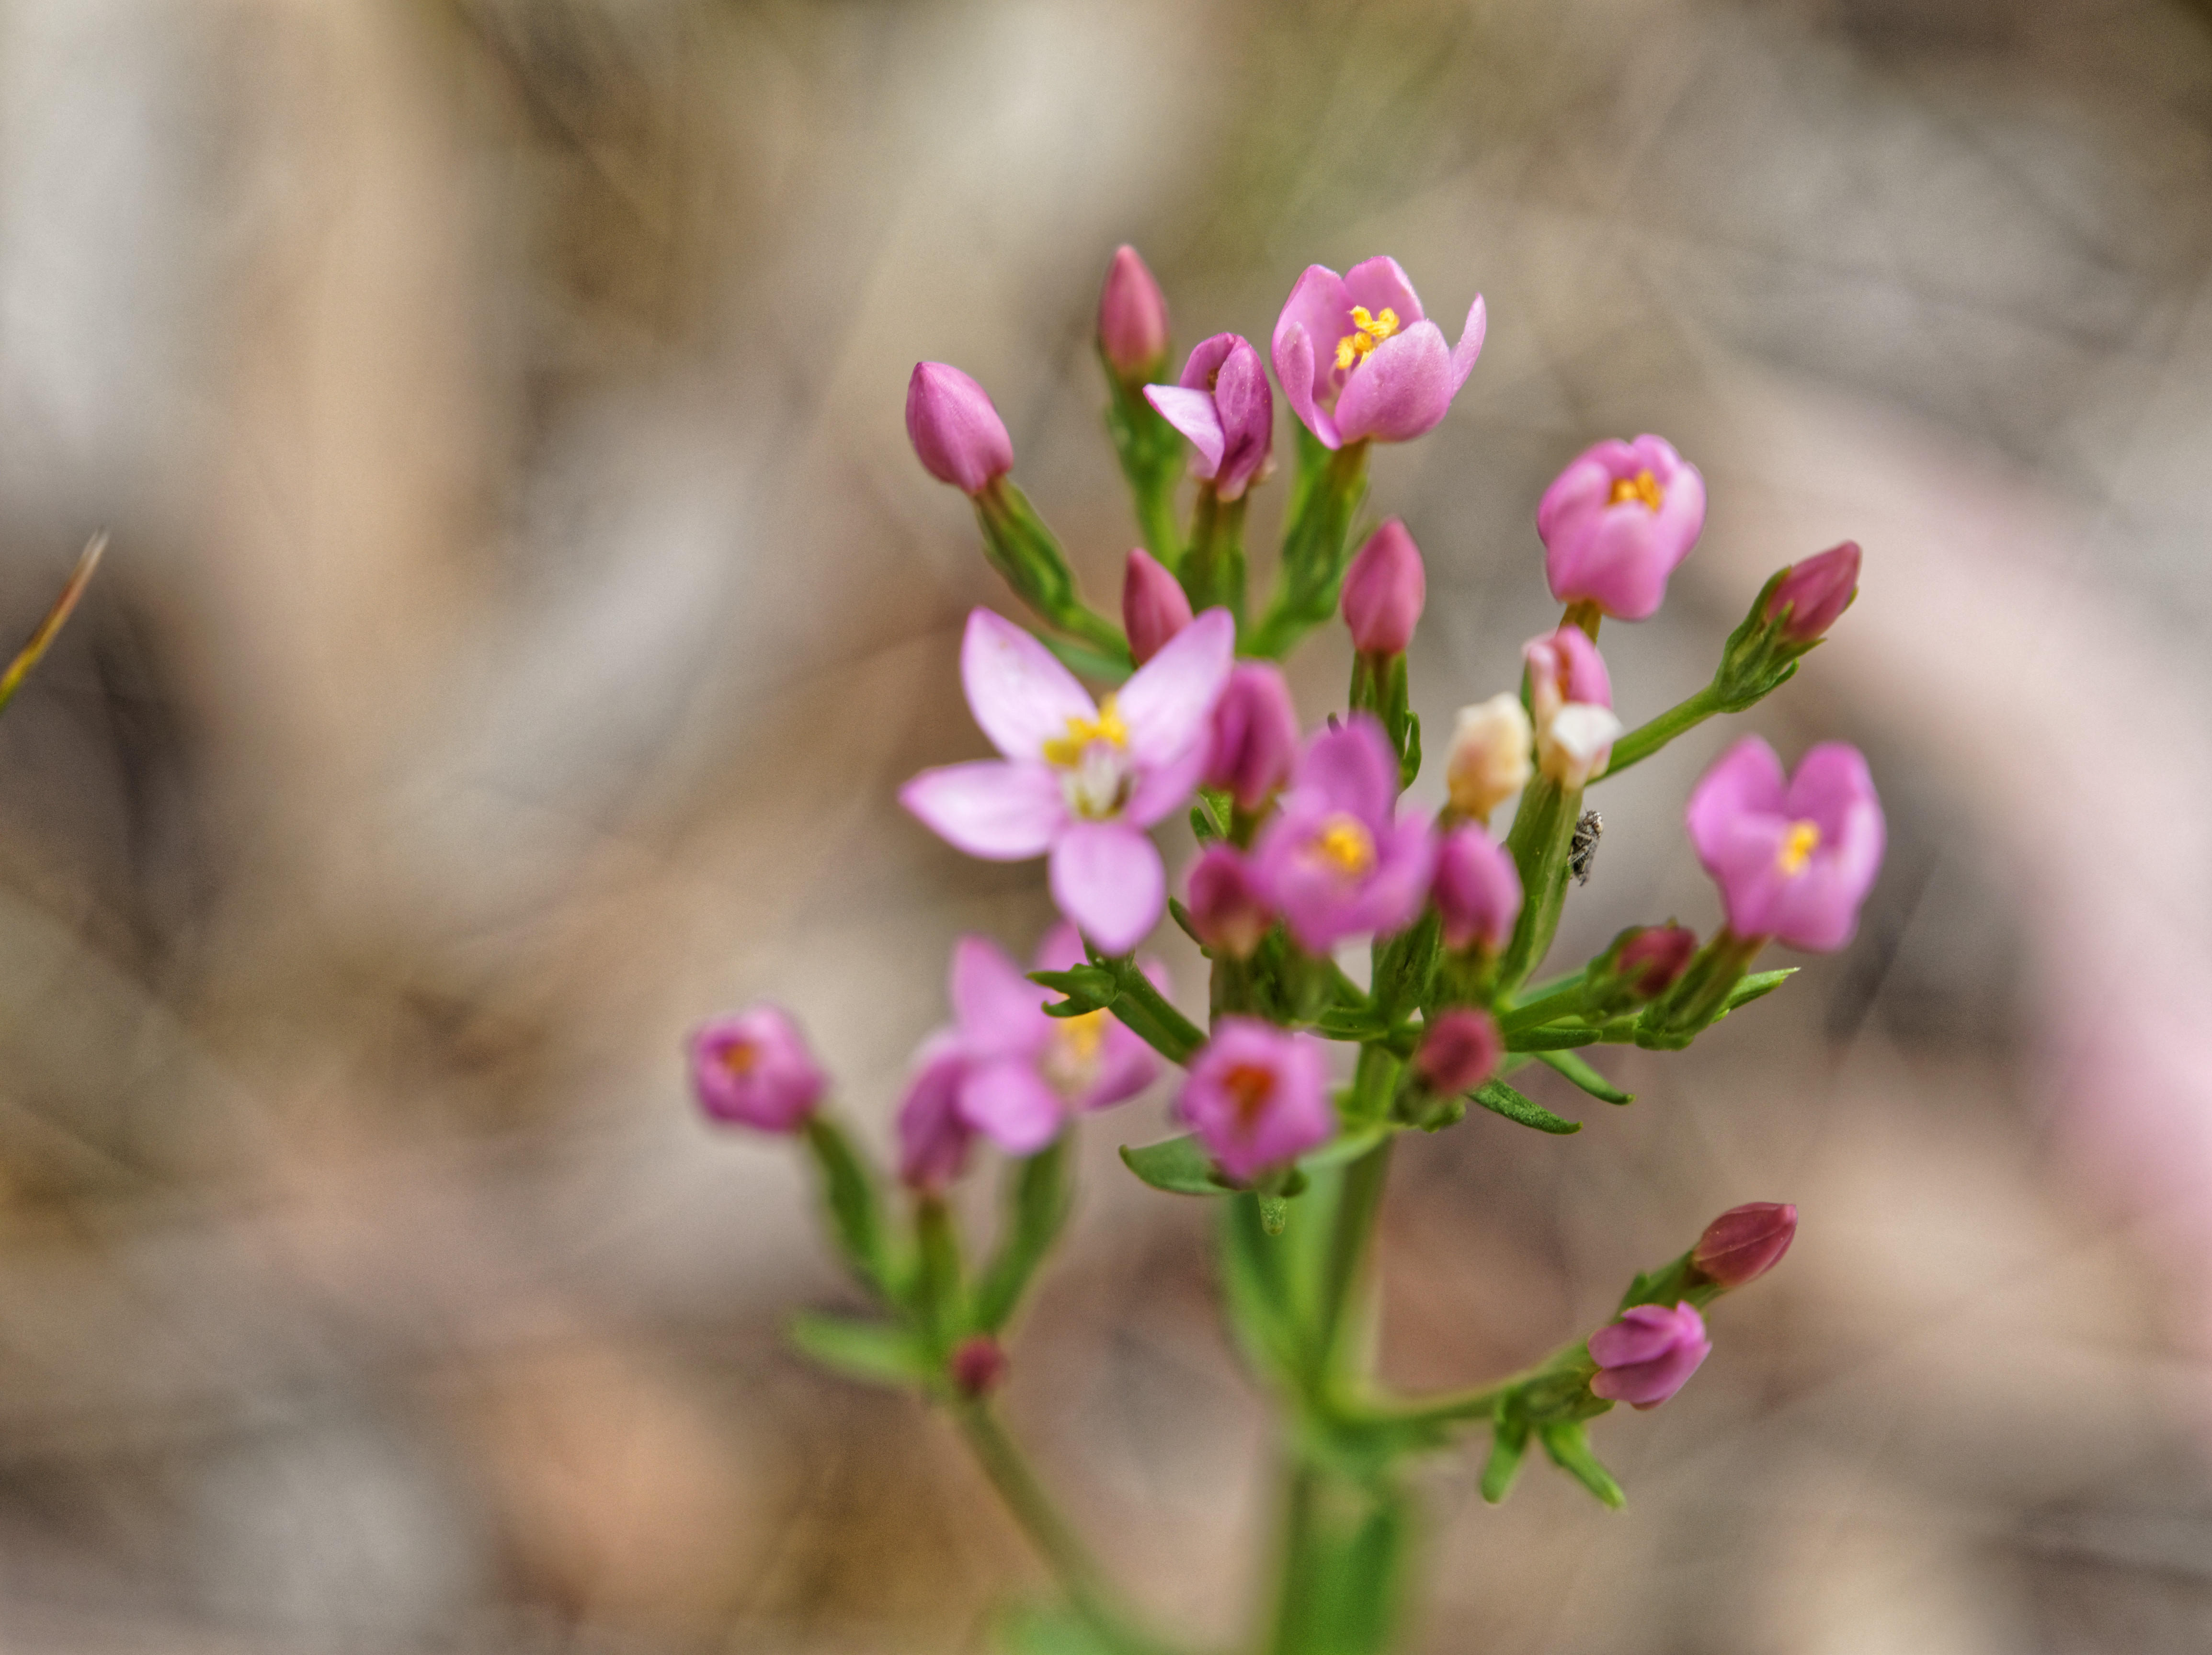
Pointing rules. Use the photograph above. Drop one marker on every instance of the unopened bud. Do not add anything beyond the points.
(1644, 962)
(1813, 593)
(1255, 735)
(1459, 1051)
(956, 433)
(753, 1068)
(1133, 319)
(1489, 761)
(1228, 909)
(1746, 1242)
(1153, 606)
(978, 1363)
(1384, 590)
(1477, 890)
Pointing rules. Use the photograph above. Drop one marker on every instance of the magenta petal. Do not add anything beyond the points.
(1060, 948)
(1350, 768)
(1470, 342)
(1000, 812)
(1320, 308)
(1831, 778)
(1381, 285)
(933, 1139)
(1021, 696)
(1008, 1102)
(1107, 877)
(1192, 413)
(1397, 890)
(1746, 779)
(1401, 389)
(999, 1011)
(1294, 372)
(1125, 1067)
(1167, 702)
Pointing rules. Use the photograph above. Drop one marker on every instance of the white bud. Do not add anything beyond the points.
(1578, 744)
(1489, 760)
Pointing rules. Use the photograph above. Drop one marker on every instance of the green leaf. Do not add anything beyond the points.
(1568, 1444)
(1502, 1099)
(1553, 1037)
(876, 1353)
(1344, 1146)
(1180, 1166)
(1509, 1441)
(1576, 1070)
(1088, 988)
(848, 1191)
(1757, 985)
(1036, 1203)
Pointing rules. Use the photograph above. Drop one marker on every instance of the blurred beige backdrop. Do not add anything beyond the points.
(523, 605)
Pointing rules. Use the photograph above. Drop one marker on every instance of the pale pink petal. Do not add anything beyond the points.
(1060, 948)
(1192, 413)
(999, 1011)
(1380, 284)
(1319, 307)
(1470, 342)
(1163, 789)
(1008, 1102)
(1021, 696)
(1204, 364)
(1108, 878)
(1350, 768)
(1401, 389)
(1168, 701)
(1125, 1067)
(1000, 812)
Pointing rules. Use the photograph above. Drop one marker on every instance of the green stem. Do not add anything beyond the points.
(1647, 738)
(1548, 1008)
(1331, 484)
(1543, 830)
(1359, 1200)
(1147, 1011)
(1152, 455)
(1213, 568)
(1055, 1539)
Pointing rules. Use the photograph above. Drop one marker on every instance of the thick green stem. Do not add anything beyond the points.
(1647, 738)
(1329, 487)
(1213, 568)
(1542, 831)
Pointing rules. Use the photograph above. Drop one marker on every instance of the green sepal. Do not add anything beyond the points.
(1036, 1202)
(1502, 1099)
(1181, 915)
(1274, 1212)
(939, 1292)
(1509, 1441)
(1568, 1444)
(1027, 554)
(1114, 983)
(1180, 1166)
(1576, 1070)
(1757, 986)
(875, 1353)
(1152, 455)
(854, 1207)
(1086, 662)
(1212, 572)
(1379, 686)
(1088, 988)
(1325, 494)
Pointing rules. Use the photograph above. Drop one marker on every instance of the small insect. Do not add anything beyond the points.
(1582, 849)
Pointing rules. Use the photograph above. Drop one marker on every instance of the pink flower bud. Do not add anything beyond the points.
(1794, 857)
(1384, 590)
(1255, 735)
(1133, 318)
(1459, 1051)
(979, 1361)
(1154, 607)
(1616, 523)
(956, 433)
(1257, 1096)
(753, 1069)
(1647, 1354)
(1815, 592)
(1223, 405)
(933, 1137)
(1746, 1242)
(1228, 907)
(1477, 890)
(1650, 962)
(1570, 698)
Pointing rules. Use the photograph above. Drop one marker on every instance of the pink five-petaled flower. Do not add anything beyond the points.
(1005, 1069)
(1477, 890)
(753, 1069)
(1337, 859)
(1154, 607)
(1616, 523)
(1080, 779)
(1571, 702)
(1257, 1096)
(1384, 590)
(1357, 360)
(1647, 1354)
(1255, 735)
(1224, 406)
(1794, 859)
(956, 434)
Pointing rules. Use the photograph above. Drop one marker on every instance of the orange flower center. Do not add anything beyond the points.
(1797, 847)
(1643, 486)
(1248, 1086)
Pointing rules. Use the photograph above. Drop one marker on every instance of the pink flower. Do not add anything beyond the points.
(1384, 590)
(1816, 592)
(1224, 406)
(1746, 1242)
(1337, 858)
(1616, 523)
(1154, 607)
(1357, 360)
(1570, 701)
(1794, 859)
(956, 433)
(1229, 909)
(1647, 1354)
(753, 1069)
(1257, 1096)
(1080, 780)
(1477, 890)
(1459, 1051)
(1007, 1070)
(1132, 316)
(1255, 735)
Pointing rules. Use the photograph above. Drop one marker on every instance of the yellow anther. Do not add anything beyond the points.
(1081, 1037)
(1643, 486)
(739, 1058)
(1797, 847)
(1344, 842)
(1066, 751)
(1249, 1086)
(1368, 331)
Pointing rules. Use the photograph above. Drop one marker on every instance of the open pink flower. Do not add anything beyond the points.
(1080, 780)
(1337, 858)
(1649, 1355)
(1007, 1070)
(1224, 406)
(1357, 358)
(1257, 1096)
(1794, 859)
(752, 1067)
(1616, 523)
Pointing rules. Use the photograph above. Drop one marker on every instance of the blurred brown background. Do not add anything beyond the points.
(523, 604)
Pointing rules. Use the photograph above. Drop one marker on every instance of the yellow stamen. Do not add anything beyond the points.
(1081, 1037)
(1797, 847)
(1066, 751)
(1345, 842)
(739, 1059)
(1368, 331)
(1643, 486)
(1249, 1086)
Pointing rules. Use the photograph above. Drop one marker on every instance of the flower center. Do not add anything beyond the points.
(1643, 486)
(1071, 1064)
(739, 1057)
(1797, 847)
(1367, 332)
(1066, 751)
(1346, 846)
(1250, 1086)
(1093, 759)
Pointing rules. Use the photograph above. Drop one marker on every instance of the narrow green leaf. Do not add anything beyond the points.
(1579, 1071)
(1555, 1037)
(1178, 1165)
(1509, 1441)
(1757, 985)
(876, 1353)
(1502, 1099)
(848, 1191)
(1568, 1445)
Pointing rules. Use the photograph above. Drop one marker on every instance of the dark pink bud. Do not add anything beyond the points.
(1477, 890)
(753, 1068)
(1459, 1051)
(1650, 961)
(1815, 592)
(1154, 607)
(1255, 735)
(1384, 590)
(1647, 1354)
(978, 1363)
(956, 433)
(1228, 908)
(1746, 1242)
(1133, 318)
